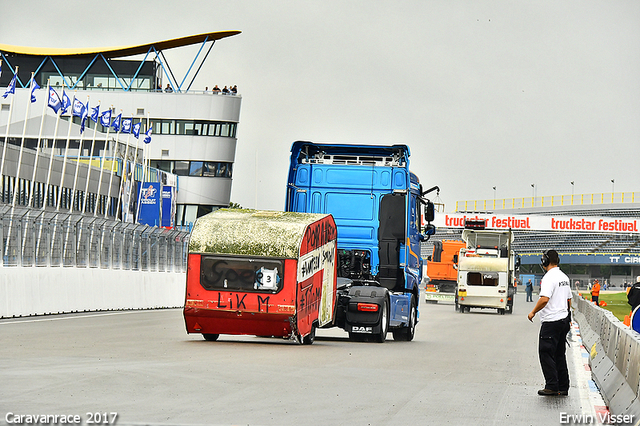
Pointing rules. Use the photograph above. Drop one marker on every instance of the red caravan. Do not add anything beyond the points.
(261, 273)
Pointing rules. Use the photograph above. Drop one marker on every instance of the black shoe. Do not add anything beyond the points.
(563, 393)
(548, 392)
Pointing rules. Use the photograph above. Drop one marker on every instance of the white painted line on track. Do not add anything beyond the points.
(57, 317)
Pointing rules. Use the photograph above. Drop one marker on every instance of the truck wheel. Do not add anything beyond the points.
(210, 337)
(311, 337)
(384, 323)
(407, 333)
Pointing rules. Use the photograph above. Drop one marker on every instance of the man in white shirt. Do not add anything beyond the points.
(554, 306)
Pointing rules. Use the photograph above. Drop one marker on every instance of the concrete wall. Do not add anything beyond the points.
(39, 291)
(614, 357)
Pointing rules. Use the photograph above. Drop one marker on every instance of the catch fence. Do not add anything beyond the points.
(33, 238)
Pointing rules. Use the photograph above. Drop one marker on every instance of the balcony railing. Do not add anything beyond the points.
(548, 201)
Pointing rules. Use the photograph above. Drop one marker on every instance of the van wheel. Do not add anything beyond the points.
(407, 333)
(384, 323)
(210, 337)
(311, 337)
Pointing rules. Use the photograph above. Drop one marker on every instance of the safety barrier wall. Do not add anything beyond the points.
(614, 357)
(55, 262)
(51, 290)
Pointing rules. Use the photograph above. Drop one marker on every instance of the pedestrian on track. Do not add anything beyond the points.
(554, 306)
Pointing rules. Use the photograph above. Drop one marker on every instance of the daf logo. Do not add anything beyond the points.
(357, 329)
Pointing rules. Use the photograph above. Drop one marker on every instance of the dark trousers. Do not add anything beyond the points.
(552, 352)
(595, 299)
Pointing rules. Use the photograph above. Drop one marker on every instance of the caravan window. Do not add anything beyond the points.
(235, 273)
(482, 278)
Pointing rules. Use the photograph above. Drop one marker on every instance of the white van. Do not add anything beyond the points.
(486, 271)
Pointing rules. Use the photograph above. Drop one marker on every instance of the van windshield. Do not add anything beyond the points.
(482, 278)
(244, 274)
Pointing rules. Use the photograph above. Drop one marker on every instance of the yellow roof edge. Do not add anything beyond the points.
(118, 52)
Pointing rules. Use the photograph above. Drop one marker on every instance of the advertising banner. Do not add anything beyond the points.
(150, 204)
(568, 223)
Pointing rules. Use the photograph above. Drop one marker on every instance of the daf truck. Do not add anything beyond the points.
(378, 206)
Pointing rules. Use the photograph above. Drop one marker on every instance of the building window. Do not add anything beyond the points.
(193, 128)
(181, 168)
(195, 169)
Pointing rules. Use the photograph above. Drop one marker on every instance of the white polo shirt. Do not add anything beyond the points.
(557, 287)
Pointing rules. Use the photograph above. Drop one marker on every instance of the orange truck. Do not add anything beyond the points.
(442, 270)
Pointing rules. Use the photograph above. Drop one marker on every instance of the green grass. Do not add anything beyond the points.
(616, 303)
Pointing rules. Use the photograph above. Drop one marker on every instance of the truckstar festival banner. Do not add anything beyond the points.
(542, 223)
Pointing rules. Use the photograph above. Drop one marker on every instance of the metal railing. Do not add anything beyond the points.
(53, 239)
(548, 201)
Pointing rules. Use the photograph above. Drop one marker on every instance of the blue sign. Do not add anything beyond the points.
(150, 204)
(168, 203)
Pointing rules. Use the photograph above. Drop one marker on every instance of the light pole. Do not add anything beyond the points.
(572, 187)
(613, 184)
(494, 192)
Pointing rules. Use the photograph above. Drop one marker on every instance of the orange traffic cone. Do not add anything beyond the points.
(627, 320)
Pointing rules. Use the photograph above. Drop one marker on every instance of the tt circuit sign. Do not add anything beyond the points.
(585, 259)
(542, 223)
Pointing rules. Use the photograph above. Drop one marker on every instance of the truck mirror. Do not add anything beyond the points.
(430, 229)
(429, 213)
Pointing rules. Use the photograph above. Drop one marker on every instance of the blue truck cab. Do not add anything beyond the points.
(378, 207)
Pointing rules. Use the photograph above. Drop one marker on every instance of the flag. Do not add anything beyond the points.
(11, 88)
(79, 109)
(34, 86)
(54, 100)
(85, 114)
(105, 118)
(116, 123)
(126, 125)
(147, 136)
(95, 113)
(66, 102)
(136, 129)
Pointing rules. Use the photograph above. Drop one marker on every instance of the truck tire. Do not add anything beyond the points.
(384, 323)
(406, 334)
(210, 337)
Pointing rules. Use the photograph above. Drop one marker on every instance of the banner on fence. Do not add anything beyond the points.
(150, 204)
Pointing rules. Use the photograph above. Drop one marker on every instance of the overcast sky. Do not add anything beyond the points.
(485, 93)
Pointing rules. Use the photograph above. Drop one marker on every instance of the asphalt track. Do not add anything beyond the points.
(477, 368)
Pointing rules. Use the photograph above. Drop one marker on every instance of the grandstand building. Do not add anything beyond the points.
(603, 252)
(193, 132)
